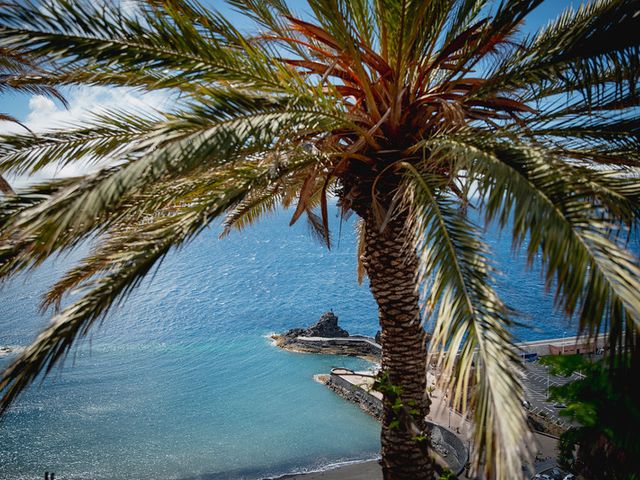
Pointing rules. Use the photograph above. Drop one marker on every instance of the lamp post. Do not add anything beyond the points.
(547, 367)
(563, 336)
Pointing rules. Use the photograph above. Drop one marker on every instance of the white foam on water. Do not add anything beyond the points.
(325, 468)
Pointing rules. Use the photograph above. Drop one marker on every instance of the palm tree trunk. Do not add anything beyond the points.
(392, 269)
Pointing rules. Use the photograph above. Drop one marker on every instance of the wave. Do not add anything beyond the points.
(269, 336)
(324, 468)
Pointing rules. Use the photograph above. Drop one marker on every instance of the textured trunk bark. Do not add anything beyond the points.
(392, 273)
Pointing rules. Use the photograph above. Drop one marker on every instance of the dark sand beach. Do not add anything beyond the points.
(359, 471)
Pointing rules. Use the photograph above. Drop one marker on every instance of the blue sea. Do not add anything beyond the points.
(182, 382)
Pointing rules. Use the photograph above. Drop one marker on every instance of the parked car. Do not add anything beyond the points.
(559, 405)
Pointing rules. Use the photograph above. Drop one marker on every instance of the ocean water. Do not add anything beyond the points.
(182, 382)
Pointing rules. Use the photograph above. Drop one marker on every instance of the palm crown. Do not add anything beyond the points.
(409, 112)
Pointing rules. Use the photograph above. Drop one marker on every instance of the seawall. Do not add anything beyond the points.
(355, 387)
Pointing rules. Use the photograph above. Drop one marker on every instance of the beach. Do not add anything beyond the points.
(369, 470)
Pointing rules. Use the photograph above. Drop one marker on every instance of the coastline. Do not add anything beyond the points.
(354, 470)
(364, 470)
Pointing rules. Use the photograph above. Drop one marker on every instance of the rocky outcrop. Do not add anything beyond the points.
(288, 337)
(326, 336)
(327, 327)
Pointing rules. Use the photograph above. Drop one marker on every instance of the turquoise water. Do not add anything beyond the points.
(181, 381)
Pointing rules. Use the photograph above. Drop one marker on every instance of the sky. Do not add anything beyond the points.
(40, 113)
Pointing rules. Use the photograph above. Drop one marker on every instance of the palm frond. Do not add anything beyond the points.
(95, 201)
(77, 34)
(471, 343)
(577, 53)
(171, 197)
(104, 136)
(128, 252)
(262, 201)
(252, 209)
(569, 215)
(131, 256)
(19, 72)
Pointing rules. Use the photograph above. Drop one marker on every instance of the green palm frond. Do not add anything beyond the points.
(566, 213)
(470, 341)
(577, 53)
(280, 192)
(144, 248)
(624, 131)
(613, 141)
(94, 202)
(104, 136)
(180, 194)
(120, 261)
(77, 33)
(118, 135)
(252, 209)
(20, 72)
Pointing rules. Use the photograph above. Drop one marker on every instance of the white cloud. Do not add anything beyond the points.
(44, 114)
(130, 7)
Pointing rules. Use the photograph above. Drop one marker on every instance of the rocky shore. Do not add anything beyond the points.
(326, 336)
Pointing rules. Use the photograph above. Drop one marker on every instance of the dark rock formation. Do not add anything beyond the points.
(288, 337)
(327, 327)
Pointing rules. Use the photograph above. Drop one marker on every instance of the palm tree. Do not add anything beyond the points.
(22, 74)
(409, 112)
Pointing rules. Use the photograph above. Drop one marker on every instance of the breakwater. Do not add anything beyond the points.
(355, 346)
